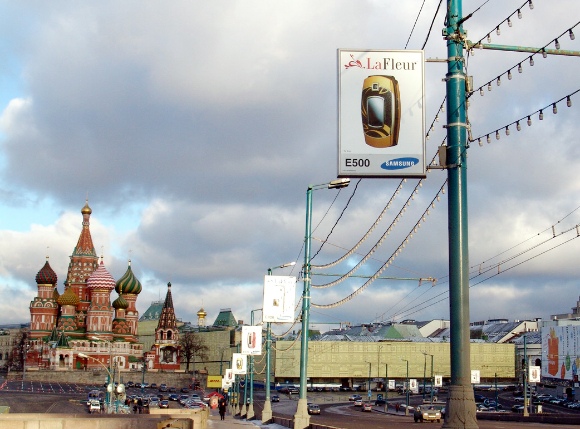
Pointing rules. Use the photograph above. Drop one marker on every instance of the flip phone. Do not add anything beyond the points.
(381, 111)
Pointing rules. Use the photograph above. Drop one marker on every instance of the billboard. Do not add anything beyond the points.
(214, 381)
(279, 299)
(252, 340)
(560, 352)
(381, 113)
(239, 363)
(230, 377)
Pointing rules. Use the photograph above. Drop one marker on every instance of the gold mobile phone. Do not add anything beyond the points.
(381, 111)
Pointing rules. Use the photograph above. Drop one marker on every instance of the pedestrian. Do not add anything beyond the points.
(397, 406)
(222, 409)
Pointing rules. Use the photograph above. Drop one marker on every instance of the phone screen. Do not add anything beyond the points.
(376, 111)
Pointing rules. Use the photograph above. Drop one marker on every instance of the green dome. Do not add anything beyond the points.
(120, 303)
(128, 283)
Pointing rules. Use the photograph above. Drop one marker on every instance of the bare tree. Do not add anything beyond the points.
(192, 346)
(16, 353)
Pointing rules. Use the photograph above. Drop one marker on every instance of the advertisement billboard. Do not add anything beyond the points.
(252, 340)
(214, 381)
(279, 299)
(381, 113)
(229, 377)
(560, 352)
(239, 363)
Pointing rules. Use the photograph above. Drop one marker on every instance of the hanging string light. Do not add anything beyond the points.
(557, 44)
(554, 108)
(568, 101)
(529, 121)
(519, 14)
(507, 130)
(572, 37)
(544, 53)
(531, 4)
(531, 61)
(497, 135)
(520, 68)
(498, 80)
(518, 126)
(510, 74)
(497, 31)
(541, 115)
(509, 22)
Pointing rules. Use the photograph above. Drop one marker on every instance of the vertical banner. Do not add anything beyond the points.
(279, 299)
(535, 374)
(381, 113)
(475, 376)
(413, 386)
(239, 363)
(252, 340)
(229, 378)
(438, 381)
(392, 385)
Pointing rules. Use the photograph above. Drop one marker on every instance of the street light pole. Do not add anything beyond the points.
(302, 418)
(108, 375)
(267, 411)
(386, 387)
(408, 388)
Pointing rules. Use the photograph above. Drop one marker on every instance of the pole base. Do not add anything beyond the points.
(267, 412)
(243, 412)
(460, 409)
(302, 418)
(250, 415)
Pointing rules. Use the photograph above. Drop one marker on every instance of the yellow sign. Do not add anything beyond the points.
(214, 381)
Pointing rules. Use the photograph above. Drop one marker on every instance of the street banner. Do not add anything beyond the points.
(475, 376)
(381, 113)
(239, 363)
(279, 299)
(252, 340)
(229, 378)
(438, 381)
(392, 385)
(535, 374)
(413, 385)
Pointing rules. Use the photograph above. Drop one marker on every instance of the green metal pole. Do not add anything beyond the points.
(460, 412)
(386, 387)
(250, 414)
(408, 389)
(424, 374)
(302, 418)
(525, 367)
(432, 380)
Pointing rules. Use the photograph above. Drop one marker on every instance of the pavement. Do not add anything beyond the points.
(214, 422)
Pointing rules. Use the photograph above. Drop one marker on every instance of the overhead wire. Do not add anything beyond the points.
(416, 19)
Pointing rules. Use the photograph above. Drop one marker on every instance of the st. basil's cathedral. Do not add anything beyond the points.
(81, 329)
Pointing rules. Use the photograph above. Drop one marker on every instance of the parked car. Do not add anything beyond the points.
(163, 387)
(184, 390)
(367, 406)
(354, 397)
(428, 413)
(313, 409)
(275, 398)
(174, 397)
(518, 408)
(164, 404)
(129, 384)
(153, 385)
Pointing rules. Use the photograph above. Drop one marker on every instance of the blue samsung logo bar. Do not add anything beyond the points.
(399, 163)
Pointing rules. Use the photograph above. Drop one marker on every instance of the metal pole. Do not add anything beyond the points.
(302, 418)
(369, 392)
(424, 374)
(386, 387)
(408, 388)
(525, 368)
(460, 410)
(250, 414)
(496, 391)
(432, 380)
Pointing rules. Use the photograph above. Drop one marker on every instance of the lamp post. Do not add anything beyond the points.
(111, 381)
(267, 411)
(407, 393)
(302, 418)
(369, 386)
(386, 387)
(250, 414)
(432, 382)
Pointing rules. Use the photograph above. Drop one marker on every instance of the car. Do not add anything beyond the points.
(144, 384)
(163, 388)
(313, 409)
(293, 389)
(519, 399)
(354, 397)
(174, 397)
(426, 413)
(358, 403)
(164, 404)
(275, 398)
(137, 384)
(153, 385)
(367, 406)
(129, 384)
(195, 397)
(172, 390)
(184, 390)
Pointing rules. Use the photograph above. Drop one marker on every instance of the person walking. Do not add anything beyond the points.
(222, 408)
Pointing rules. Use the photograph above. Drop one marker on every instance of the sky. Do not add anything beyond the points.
(194, 129)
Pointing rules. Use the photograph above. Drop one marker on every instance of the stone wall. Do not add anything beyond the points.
(176, 379)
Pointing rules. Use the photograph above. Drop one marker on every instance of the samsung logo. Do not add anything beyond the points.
(399, 163)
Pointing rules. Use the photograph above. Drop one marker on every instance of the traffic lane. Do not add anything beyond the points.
(26, 402)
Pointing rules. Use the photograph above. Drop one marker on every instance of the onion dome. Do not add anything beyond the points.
(55, 294)
(68, 298)
(86, 209)
(101, 279)
(46, 275)
(128, 283)
(120, 303)
(201, 313)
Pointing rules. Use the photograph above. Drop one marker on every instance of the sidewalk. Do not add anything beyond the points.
(214, 422)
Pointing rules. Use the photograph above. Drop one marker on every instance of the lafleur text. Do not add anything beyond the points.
(390, 64)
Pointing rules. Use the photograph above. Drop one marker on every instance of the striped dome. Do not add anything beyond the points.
(128, 283)
(46, 275)
(101, 279)
(120, 303)
(68, 298)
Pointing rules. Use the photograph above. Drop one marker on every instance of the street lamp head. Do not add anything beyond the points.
(82, 355)
(339, 183)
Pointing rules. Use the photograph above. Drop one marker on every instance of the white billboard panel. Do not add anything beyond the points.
(279, 299)
(239, 363)
(475, 376)
(413, 385)
(229, 377)
(561, 352)
(438, 381)
(535, 374)
(392, 385)
(252, 340)
(381, 113)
